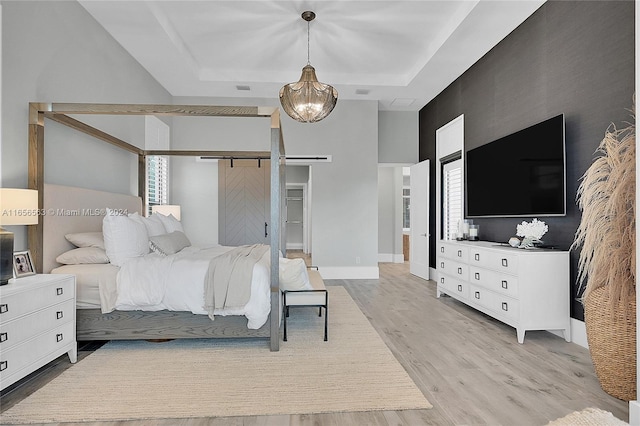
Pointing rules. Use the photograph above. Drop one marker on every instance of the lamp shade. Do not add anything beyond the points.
(167, 209)
(18, 206)
(308, 100)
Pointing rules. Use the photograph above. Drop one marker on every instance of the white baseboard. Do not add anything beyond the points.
(634, 413)
(579, 333)
(349, 272)
(294, 246)
(390, 258)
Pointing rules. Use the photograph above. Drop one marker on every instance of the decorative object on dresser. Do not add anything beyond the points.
(526, 289)
(23, 264)
(17, 207)
(606, 267)
(37, 324)
(531, 233)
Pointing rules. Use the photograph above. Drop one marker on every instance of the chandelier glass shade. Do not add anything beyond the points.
(308, 100)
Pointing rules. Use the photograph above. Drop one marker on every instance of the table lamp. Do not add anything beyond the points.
(167, 209)
(17, 207)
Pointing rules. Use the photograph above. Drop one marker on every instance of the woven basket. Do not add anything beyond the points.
(611, 333)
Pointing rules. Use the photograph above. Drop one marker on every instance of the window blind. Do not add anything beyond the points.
(451, 198)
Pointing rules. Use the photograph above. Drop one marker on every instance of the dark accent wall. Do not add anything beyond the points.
(575, 58)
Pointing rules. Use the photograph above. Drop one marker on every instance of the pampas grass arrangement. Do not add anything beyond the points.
(607, 198)
(607, 262)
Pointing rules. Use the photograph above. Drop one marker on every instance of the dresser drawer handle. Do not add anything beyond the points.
(441, 280)
(442, 265)
(4, 365)
(477, 295)
(59, 291)
(3, 337)
(477, 276)
(59, 314)
(505, 284)
(441, 249)
(4, 308)
(459, 287)
(459, 253)
(59, 337)
(505, 263)
(477, 257)
(459, 271)
(505, 306)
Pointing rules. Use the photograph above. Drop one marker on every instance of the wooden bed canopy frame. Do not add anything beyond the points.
(59, 112)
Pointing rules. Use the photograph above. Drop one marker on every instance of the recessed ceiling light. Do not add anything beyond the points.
(362, 91)
(403, 101)
(243, 87)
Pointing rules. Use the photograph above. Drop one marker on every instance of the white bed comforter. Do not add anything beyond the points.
(176, 282)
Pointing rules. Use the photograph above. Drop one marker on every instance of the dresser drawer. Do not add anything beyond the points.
(24, 302)
(451, 251)
(21, 356)
(17, 331)
(452, 286)
(504, 306)
(492, 280)
(497, 261)
(453, 268)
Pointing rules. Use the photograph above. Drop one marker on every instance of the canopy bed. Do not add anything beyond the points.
(47, 238)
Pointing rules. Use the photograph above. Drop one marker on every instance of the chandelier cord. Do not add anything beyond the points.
(308, 42)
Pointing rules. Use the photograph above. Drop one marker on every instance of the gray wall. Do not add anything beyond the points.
(56, 52)
(575, 58)
(398, 137)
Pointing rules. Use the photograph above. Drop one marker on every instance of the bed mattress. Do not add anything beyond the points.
(89, 280)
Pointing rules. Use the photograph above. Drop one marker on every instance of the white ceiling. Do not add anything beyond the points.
(400, 53)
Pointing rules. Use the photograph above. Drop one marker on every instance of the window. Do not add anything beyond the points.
(451, 198)
(157, 180)
(406, 207)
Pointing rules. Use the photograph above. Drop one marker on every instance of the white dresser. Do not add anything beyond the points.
(37, 324)
(526, 289)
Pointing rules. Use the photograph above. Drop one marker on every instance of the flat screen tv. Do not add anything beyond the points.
(522, 174)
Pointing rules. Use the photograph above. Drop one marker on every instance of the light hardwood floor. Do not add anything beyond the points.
(469, 366)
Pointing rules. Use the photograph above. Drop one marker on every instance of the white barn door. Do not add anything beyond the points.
(419, 217)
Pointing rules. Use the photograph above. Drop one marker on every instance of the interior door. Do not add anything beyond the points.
(419, 217)
(244, 202)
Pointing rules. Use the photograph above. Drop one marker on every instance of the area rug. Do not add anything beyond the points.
(588, 417)
(127, 380)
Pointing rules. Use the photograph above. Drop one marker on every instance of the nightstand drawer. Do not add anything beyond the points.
(25, 302)
(24, 355)
(16, 332)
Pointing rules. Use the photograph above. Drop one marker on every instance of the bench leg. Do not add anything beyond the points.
(326, 319)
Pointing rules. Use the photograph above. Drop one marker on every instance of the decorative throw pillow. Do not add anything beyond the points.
(294, 275)
(86, 239)
(124, 238)
(170, 222)
(153, 224)
(169, 243)
(83, 255)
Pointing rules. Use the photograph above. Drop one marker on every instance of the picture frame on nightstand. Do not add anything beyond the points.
(23, 264)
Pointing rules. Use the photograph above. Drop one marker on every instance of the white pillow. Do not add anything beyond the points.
(124, 238)
(83, 255)
(86, 239)
(170, 223)
(294, 275)
(153, 224)
(169, 243)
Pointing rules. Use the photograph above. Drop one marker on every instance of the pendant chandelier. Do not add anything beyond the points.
(308, 100)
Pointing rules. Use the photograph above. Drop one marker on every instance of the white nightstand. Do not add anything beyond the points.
(37, 324)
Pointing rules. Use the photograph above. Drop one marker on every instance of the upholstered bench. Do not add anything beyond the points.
(318, 296)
